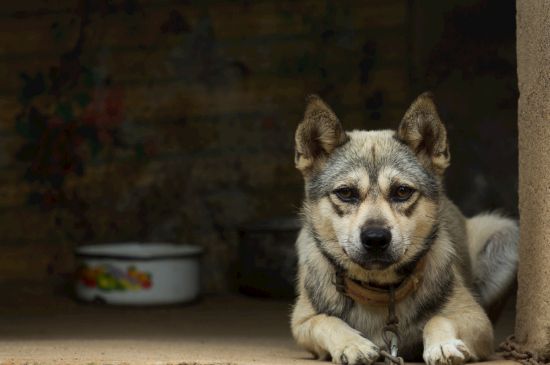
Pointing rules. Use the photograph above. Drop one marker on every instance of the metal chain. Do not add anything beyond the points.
(338, 280)
(390, 334)
(511, 350)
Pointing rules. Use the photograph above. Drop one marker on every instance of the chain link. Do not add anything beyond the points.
(511, 350)
(390, 334)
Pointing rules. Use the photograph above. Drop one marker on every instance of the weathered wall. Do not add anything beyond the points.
(533, 53)
(173, 120)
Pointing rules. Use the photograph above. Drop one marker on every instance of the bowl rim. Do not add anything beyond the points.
(137, 251)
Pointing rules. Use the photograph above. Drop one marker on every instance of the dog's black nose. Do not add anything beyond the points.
(375, 238)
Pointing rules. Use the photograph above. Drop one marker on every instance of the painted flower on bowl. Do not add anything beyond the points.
(108, 277)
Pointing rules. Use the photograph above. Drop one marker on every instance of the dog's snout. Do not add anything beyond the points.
(376, 238)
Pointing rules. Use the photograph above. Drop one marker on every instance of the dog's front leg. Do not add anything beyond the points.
(462, 332)
(442, 345)
(326, 335)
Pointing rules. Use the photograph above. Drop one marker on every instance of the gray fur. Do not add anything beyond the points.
(496, 265)
(348, 157)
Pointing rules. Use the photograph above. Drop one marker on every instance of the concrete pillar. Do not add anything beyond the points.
(533, 55)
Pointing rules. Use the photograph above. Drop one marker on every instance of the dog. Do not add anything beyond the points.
(378, 228)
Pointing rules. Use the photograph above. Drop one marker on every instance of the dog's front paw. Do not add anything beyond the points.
(355, 350)
(452, 352)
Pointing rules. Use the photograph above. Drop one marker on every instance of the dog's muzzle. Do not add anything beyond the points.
(375, 239)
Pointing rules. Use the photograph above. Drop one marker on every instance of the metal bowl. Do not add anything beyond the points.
(267, 257)
(138, 273)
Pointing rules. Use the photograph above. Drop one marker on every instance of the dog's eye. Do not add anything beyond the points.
(348, 195)
(402, 193)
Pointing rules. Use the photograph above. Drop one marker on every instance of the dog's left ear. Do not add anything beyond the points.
(423, 131)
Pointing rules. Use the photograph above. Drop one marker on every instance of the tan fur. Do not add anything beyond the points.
(459, 330)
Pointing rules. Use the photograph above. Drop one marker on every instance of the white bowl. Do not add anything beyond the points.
(138, 273)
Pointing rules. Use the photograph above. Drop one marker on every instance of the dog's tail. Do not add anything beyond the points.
(493, 243)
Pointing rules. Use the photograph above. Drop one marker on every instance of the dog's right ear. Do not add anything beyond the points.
(317, 135)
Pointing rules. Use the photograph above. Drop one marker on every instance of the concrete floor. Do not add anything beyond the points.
(216, 330)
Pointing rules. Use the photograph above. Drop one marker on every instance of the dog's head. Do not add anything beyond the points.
(372, 196)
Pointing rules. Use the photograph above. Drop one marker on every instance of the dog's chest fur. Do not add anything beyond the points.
(318, 277)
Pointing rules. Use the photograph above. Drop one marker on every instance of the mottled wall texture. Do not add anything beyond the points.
(533, 34)
(166, 120)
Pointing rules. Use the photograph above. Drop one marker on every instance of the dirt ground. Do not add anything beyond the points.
(216, 330)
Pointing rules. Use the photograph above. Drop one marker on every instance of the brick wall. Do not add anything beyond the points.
(174, 120)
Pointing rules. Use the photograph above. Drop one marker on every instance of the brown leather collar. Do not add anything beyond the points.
(369, 295)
